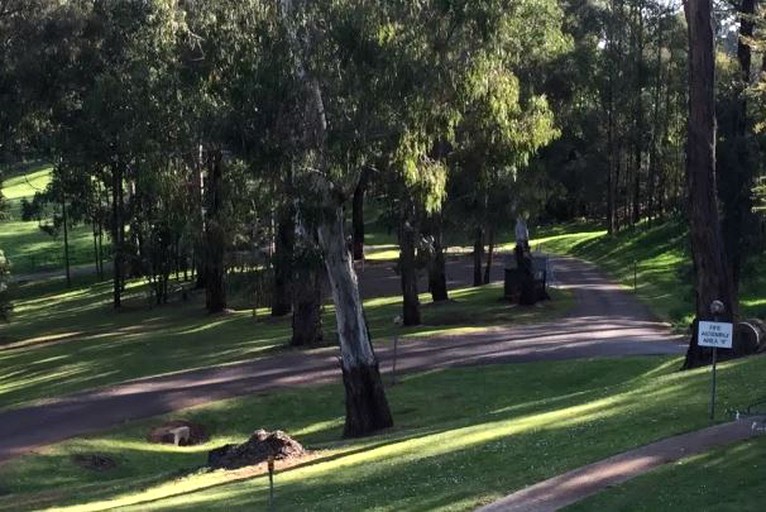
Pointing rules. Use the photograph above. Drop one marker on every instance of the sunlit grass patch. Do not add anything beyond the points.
(462, 437)
(28, 248)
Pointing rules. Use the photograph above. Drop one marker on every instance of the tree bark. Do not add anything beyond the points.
(490, 254)
(713, 281)
(366, 405)
(118, 231)
(367, 409)
(281, 301)
(95, 248)
(639, 119)
(215, 288)
(65, 219)
(437, 271)
(736, 174)
(306, 289)
(307, 308)
(357, 217)
(307, 303)
(478, 251)
(408, 273)
(657, 128)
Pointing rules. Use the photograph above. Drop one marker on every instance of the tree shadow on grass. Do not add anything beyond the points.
(417, 401)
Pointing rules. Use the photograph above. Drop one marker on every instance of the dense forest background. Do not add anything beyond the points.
(206, 139)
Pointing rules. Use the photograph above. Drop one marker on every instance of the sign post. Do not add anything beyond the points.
(270, 465)
(714, 335)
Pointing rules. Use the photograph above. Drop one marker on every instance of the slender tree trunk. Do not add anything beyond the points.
(610, 183)
(490, 254)
(639, 135)
(65, 219)
(198, 251)
(478, 252)
(283, 261)
(437, 271)
(215, 239)
(367, 409)
(94, 233)
(357, 217)
(737, 176)
(118, 231)
(657, 130)
(306, 290)
(713, 281)
(307, 306)
(100, 249)
(408, 273)
(366, 405)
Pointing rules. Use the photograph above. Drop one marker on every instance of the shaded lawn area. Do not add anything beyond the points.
(61, 341)
(463, 437)
(727, 479)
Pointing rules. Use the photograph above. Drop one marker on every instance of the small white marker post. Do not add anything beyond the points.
(714, 335)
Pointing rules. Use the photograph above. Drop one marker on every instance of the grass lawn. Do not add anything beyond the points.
(463, 437)
(728, 479)
(61, 341)
(28, 247)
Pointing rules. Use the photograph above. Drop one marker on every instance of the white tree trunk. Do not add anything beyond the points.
(366, 405)
(355, 346)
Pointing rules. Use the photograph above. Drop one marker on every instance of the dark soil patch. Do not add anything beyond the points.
(94, 461)
(162, 434)
(261, 445)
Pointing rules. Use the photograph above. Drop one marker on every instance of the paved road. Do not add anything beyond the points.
(606, 321)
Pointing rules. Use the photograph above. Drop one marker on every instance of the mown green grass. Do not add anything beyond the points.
(727, 479)
(29, 248)
(463, 437)
(61, 341)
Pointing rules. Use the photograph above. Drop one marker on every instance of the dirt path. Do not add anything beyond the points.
(563, 490)
(606, 321)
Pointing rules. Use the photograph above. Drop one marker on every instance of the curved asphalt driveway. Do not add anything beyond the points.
(606, 322)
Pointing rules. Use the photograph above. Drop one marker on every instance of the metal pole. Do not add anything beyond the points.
(271, 483)
(712, 387)
(635, 274)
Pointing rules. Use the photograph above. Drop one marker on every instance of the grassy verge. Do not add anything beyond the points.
(61, 341)
(463, 437)
(728, 479)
